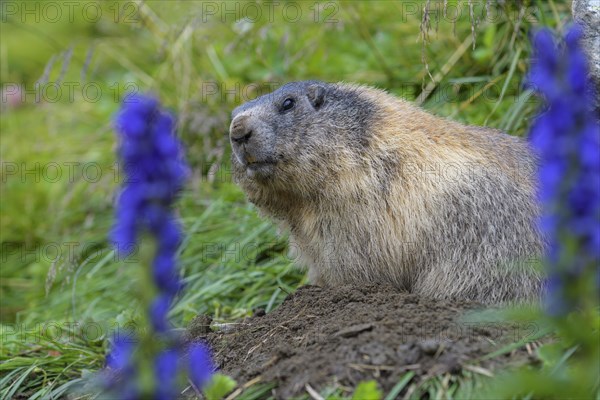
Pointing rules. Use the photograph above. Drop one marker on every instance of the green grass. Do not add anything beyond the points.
(233, 261)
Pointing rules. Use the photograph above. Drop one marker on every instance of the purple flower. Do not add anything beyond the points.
(155, 172)
(567, 138)
(201, 365)
(159, 310)
(119, 357)
(544, 67)
(164, 273)
(165, 373)
(120, 377)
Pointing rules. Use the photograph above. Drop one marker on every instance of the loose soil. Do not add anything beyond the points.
(340, 336)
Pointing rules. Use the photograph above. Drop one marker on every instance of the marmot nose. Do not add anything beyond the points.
(240, 130)
(241, 136)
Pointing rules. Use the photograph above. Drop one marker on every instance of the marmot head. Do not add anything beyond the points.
(301, 137)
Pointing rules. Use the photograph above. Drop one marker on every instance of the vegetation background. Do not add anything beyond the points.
(64, 68)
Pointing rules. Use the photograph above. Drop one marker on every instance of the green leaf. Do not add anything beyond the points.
(489, 37)
(550, 354)
(482, 54)
(399, 386)
(367, 390)
(219, 386)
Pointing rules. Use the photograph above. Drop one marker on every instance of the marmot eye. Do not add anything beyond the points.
(287, 104)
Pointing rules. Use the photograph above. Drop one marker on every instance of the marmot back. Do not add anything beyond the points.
(374, 189)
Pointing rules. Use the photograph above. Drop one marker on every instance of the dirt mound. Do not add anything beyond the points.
(324, 336)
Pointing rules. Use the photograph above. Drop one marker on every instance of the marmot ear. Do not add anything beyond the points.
(316, 95)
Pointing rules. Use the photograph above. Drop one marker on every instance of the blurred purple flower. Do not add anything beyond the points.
(155, 170)
(121, 371)
(159, 310)
(567, 138)
(119, 357)
(165, 373)
(201, 365)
